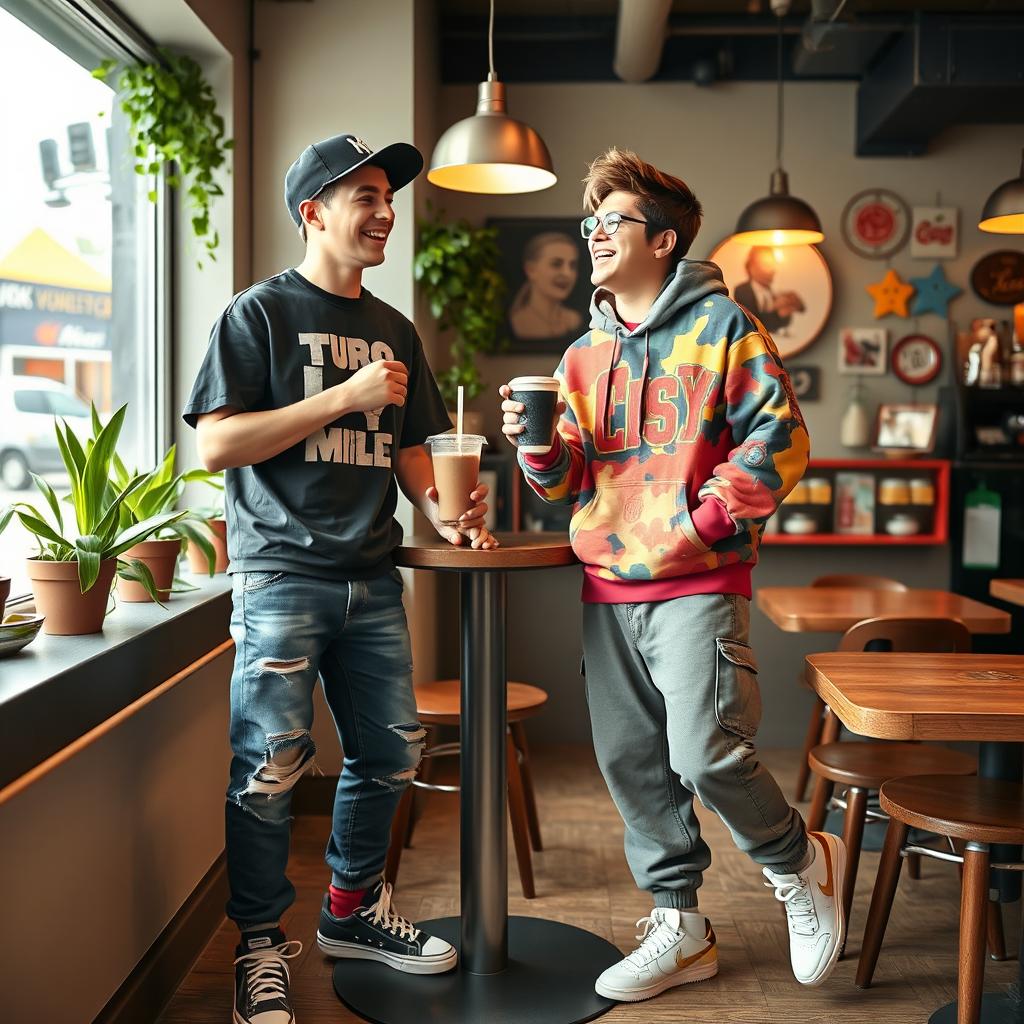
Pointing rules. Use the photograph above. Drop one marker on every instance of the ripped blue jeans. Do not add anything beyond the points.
(288, 631)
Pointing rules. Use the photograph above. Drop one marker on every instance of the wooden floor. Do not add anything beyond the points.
(582, 879)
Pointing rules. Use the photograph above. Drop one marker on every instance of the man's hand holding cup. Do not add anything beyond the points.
(530, 410)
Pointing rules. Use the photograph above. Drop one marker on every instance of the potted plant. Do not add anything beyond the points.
(214, 527)
(71, 577)
(456, 266)
(159, 493)
(173, 118)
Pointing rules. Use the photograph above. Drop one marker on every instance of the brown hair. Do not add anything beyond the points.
(325, 195)
(664, 200)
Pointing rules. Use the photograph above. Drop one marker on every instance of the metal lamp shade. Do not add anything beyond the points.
(491, 152)
(779, 218)
(1003, 213)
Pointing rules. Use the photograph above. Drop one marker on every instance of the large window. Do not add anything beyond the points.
(80, 257)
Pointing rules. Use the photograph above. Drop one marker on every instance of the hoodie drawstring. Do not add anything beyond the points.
(613, 363)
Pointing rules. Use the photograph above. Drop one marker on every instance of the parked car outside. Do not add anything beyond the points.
(28, 443)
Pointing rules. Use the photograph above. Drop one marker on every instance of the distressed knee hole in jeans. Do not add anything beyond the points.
(288, 757)
(414, 736)
(284, 667)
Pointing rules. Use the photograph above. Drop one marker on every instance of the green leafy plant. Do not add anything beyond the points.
(456, 266)
(97, 505)
(174, 119)
(158, 493)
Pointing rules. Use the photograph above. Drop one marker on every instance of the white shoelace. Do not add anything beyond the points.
(391, 920)
(803, 918)
(266, 973)
(655, 938)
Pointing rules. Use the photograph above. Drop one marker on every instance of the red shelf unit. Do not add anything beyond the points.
(938, 468)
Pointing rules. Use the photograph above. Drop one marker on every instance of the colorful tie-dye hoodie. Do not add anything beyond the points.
(679, 440)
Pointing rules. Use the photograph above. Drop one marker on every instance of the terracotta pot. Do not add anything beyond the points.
(58, 596)
(162, 558)
(5, 592)
(218, 531)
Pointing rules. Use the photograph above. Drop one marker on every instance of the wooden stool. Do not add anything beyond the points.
(862, 768)
(820, 719)
(976, 811)
(439, 703)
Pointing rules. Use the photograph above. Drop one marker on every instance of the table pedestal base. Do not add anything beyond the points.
(549, 980)
(996, 1008)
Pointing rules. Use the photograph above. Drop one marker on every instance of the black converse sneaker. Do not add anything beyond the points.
(261, 978)
(373, 931)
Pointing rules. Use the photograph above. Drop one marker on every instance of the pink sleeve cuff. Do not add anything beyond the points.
(712, 522)
(548, 460)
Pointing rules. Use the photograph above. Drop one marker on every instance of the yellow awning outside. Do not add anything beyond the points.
(40, 259)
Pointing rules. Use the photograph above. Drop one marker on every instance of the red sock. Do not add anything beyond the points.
(344, 901)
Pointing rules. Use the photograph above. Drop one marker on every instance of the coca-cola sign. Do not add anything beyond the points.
(934, 233)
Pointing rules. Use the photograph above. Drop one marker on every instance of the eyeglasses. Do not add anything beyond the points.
(609, 221)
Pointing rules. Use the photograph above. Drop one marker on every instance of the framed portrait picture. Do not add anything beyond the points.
(789, 289)
(905, 428)
(862, 350)
(546, 266)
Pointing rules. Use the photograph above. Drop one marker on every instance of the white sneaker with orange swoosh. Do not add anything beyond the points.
(668, 955)
(814, 908)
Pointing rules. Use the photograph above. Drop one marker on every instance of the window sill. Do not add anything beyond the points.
(59, 687)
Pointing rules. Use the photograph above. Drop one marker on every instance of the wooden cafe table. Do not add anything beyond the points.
(836, 609)
(933, 697)
(511, 970)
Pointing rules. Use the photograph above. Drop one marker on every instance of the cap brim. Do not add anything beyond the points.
(400, 162)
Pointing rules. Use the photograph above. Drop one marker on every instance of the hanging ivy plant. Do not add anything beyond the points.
(174, 120)
(456, 266)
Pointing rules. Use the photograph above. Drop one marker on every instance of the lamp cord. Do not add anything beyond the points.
(778, 118)
(490, 46)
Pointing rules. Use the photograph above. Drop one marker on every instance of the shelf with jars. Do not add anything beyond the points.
(865, 501)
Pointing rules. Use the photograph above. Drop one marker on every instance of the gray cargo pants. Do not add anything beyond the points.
(674, 706)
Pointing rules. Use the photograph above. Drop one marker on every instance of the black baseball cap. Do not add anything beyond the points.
(327, 161)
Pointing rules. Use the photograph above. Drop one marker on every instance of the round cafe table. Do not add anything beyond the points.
(510, 970)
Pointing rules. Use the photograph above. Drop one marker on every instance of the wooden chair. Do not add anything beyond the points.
(862, 767)
(439, 703)
(819, 712)
(973, 811)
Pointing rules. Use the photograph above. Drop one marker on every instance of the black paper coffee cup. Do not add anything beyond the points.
(538, 395)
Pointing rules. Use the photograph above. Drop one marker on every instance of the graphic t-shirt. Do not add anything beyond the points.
(324, 507)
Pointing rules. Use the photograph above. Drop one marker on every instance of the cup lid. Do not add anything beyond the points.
(538, 382)
(452, 437)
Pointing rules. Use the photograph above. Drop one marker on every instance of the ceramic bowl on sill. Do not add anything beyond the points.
(17, 631)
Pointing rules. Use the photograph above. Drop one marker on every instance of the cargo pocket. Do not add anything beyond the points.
(737, 694)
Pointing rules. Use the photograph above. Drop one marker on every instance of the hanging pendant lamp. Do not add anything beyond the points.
(1003, 213)
(491, 152)
(779, 218)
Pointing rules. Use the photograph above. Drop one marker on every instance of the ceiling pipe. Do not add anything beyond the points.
(640, 38)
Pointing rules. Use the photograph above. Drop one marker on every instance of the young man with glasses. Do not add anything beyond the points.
(678, 436)
(316, 398)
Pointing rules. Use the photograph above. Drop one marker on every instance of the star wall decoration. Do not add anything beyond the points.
(890, 295)
(934, 293)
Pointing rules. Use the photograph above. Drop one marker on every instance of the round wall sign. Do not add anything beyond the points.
(999, 277)
(916, 359)
(875, 223)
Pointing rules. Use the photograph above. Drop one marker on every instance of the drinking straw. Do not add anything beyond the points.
(459, 420)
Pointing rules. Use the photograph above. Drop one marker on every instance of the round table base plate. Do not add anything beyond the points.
(996, 1008)
(549, 980)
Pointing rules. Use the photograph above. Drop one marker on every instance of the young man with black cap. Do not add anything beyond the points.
(315, 396)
